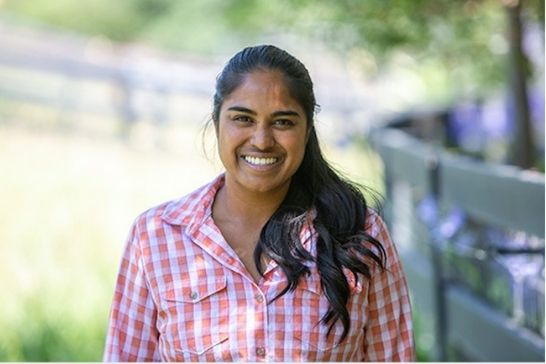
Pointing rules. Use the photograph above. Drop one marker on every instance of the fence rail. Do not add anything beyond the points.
(91, 76)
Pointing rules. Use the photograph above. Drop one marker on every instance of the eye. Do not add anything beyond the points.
(284, 123)
(243, 119)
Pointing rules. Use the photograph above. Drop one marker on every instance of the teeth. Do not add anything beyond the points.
(260, 161)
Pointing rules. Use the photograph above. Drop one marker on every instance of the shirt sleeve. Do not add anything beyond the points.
(389, 334)
(132, 333)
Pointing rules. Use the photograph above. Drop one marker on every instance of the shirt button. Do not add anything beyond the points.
(193, 295)
(260, 351)
(259, 298)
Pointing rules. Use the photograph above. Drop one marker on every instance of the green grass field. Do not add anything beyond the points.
(68, 201)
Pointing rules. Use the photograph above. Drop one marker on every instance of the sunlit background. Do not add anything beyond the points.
(103, 108)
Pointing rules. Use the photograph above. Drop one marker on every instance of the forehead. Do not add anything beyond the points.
(263, 89)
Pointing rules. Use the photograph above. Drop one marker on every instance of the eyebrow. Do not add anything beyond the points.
(252, 112)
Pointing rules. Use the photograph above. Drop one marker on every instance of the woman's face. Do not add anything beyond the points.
(261, 134)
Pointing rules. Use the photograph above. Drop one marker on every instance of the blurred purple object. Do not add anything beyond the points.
(474, 126)
(464, 126)
(427, 210)
(500, 238)
(452, 223)
(536, 109)
(495, 121)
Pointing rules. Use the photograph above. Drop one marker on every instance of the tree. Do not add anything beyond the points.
(457, 33)
(523, 145)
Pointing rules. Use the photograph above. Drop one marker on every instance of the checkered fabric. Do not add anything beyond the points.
(182, 294)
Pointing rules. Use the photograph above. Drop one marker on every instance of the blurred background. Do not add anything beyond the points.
(436, 104)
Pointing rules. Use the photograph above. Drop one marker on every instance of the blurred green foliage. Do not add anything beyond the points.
(47, 336)
(457, 43)
(68, 202)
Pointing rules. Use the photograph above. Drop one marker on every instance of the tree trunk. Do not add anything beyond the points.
(522, 152)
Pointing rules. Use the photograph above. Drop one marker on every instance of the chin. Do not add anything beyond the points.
(264, 187)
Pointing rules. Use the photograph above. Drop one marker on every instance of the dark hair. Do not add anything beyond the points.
(339, 209)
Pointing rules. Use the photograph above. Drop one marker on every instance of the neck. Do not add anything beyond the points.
(235, 203)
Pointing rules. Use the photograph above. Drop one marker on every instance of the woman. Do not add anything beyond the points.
(277, 259)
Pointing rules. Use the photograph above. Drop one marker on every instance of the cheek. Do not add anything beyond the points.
(228, 140)
(222, 135)
(296, 145)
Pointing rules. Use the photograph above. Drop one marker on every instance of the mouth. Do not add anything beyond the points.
(260, 161)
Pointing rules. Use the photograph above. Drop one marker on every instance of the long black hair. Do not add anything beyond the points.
(338, 208)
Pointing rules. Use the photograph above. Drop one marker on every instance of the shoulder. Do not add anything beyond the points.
(181, 211)
(374, 224)
(376, 227)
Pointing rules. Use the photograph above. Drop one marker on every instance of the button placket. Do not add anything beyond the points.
(261, 318)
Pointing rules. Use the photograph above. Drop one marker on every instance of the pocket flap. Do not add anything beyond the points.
(187, 291)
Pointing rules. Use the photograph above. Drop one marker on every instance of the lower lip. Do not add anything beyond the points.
(262, 167)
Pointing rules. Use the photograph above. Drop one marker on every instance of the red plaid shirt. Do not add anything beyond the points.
(182, 294)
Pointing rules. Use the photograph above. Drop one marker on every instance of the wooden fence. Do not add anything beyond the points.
(94, 77)
(470, 306)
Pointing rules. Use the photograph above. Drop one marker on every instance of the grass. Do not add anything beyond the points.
(67, 204)
(68, 201)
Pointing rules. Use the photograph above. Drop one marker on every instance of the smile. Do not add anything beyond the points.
(260, 161)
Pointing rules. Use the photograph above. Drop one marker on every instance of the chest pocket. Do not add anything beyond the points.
(195, 315)
(310, 330)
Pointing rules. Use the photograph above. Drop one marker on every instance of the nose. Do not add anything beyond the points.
(263, 138)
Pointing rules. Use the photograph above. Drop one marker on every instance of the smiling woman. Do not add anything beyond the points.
(261, 135)
(277, 259)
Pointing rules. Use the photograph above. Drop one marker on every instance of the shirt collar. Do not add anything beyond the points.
(195, 207)
(192, 211)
